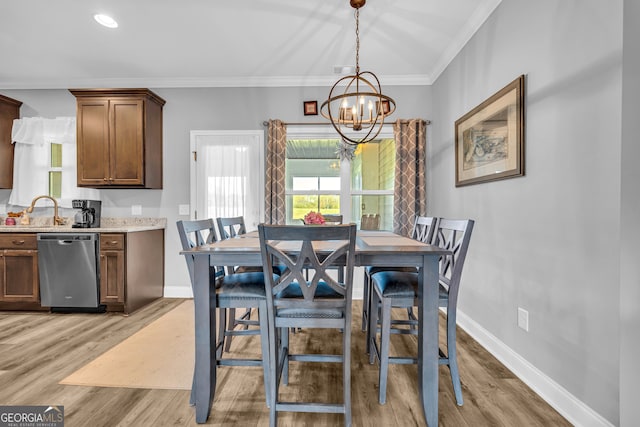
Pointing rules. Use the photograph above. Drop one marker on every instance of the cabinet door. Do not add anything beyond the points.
(19, 276)
(126, 144)
(93, 142)
(112, 277)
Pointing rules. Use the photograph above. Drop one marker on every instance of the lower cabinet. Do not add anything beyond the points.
(131, 269)
(19, 282)
(112, 269)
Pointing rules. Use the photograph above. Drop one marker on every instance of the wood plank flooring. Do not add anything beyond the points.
(37, 350)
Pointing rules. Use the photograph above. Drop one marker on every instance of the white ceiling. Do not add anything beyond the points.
(205, 43)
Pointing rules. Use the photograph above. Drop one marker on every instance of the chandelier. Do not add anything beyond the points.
(356, 101)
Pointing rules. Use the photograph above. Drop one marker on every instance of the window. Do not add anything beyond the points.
(55, 171)
(316, 179)
(45, 162)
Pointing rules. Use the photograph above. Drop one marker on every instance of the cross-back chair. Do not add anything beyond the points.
(295, 302)
(238, 290)
(400, 289)
(423, 231)
(229, 227)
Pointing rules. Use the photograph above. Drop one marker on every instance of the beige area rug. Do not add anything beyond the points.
(160, 356)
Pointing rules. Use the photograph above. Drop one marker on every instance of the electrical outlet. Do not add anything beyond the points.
(183, 209)
(136, 209)
(523, 319)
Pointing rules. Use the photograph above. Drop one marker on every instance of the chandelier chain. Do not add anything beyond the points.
(357, 41)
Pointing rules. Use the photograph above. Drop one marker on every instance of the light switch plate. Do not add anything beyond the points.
(183, 209)
(136, 209)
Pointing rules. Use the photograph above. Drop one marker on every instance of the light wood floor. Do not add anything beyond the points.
(37, 350)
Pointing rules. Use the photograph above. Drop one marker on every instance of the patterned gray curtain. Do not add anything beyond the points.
(409, 192)
(275, 212)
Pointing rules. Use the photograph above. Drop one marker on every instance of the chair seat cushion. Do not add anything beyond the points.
(396, 284)
(373, 270)
(400, 284)
(242, 285)
(322, 291)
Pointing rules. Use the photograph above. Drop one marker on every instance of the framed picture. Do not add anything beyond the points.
(383, 107)
(490, 138)
(310, 108)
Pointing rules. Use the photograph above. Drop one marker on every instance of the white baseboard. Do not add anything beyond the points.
(574, 410)
(178, 291)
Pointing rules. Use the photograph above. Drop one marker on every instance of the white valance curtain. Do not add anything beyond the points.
(32, 138)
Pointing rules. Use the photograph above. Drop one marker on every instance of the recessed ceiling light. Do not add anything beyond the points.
(105, 20)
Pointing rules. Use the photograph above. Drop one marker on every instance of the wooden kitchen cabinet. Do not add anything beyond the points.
(119, 138)
(9, 110)
(19, 282)
(112, 269)
(131, 269)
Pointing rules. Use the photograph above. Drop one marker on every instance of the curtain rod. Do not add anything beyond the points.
(266, 123)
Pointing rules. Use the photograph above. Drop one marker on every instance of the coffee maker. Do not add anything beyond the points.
(89, 215)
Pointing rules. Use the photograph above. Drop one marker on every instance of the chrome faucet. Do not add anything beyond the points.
(56, 219)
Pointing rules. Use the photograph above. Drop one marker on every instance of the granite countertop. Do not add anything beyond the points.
(107, 225)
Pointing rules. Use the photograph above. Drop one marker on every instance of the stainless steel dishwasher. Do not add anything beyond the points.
(69, 271)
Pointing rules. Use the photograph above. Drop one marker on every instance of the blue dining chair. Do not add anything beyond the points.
(423, 231)
(238, 290)
(295, 302)
(399, 289)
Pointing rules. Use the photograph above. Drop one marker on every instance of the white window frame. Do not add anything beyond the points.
(346, 192)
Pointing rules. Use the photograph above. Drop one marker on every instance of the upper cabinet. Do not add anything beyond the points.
(9, 110)
(119, 138)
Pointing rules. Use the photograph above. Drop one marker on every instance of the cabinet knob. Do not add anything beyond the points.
(18, 242)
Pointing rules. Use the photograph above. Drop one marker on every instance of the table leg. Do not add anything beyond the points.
(428, 338)
(205, 327)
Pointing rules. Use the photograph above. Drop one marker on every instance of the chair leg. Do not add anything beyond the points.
(192, 396)
(346, 371)
(385, 332)
(372, 330)
(232, 325)
(222, 328)
(273, 374)
(284, 346)
(264, 345)
(452, 355)
(365, 305)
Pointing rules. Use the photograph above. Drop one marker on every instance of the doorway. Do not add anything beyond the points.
(227, 175)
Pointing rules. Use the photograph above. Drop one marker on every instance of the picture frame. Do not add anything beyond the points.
(489, 140)
(310, 108)
(383, 107)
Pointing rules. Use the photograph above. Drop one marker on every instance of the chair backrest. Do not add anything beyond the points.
(453, 235)
(424, 228)
(333, 219)
(370, 222)
(196, 233)
(231, 227)
(315, 248)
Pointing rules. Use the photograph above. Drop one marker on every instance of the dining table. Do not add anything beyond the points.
(373, 248)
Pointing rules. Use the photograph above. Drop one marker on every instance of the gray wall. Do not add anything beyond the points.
(200, 109)
(630, 226)
(546, 242)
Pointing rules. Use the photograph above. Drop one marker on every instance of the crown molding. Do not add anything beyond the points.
(191, 82)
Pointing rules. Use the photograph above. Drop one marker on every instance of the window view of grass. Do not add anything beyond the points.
(324, 204)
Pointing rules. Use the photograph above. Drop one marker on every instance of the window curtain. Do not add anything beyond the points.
(409, 190)
(275, 210)
(32, 137)
(226, 166)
